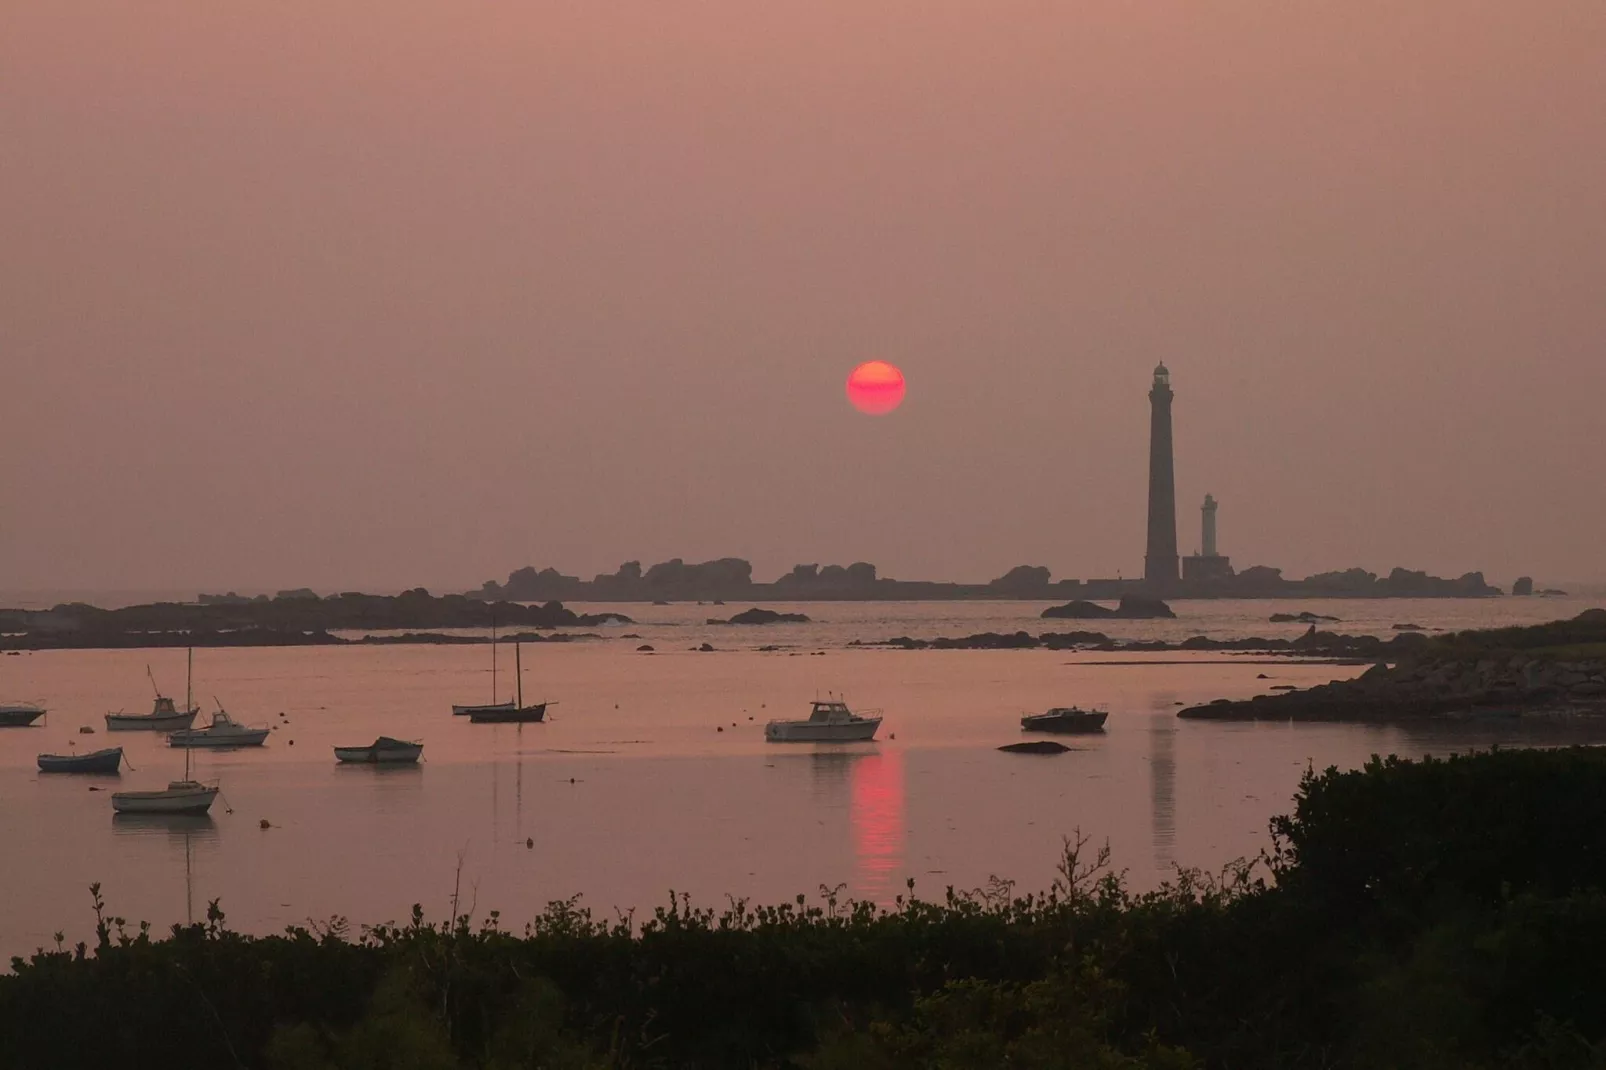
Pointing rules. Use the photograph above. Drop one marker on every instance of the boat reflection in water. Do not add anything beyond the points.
(878, 825)
(193, 833)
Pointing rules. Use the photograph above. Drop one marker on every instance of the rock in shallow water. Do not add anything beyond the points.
(1036, 746)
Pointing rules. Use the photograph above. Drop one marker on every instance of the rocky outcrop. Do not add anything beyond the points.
(1131, 607)
(1306, 617)
(1559, 666)
(761, 616)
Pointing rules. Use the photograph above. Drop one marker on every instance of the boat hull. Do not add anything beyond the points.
(859, 731)
(177, 799)
(101, 761)
(390, 753)
(19, 716)
(251, 737)
(1064, 724)
(136, 722)
(489, 707)
(509, 715)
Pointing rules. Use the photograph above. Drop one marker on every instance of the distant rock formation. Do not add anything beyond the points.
(1132, 607)
(859, 577)
(761, 616)
(1523, 587)
(1023, 581)
(1302, 618)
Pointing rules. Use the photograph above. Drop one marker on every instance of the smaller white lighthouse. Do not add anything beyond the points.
(1207, 564)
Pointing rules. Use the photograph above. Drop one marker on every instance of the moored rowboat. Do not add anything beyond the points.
(100, 761)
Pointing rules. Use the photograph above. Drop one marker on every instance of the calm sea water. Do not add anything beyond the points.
(653, 775)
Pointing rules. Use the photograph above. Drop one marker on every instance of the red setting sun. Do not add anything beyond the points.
(875, 387)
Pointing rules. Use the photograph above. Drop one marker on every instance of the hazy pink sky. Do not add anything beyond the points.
(369, 294)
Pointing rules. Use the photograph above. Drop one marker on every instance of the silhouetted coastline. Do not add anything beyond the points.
(731, 578)
(293, 618)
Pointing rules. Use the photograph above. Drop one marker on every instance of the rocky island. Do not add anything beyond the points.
(761, 616)
(1131, 607)
(293, 618)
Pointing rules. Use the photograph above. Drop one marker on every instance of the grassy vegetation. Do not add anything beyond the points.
(1411, 914)
(1579, 637)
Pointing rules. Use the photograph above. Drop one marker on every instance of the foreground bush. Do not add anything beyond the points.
(1411, 914)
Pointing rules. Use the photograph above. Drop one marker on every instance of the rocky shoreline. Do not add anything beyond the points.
(1313, 644)
(1554, 670)
(292, 619)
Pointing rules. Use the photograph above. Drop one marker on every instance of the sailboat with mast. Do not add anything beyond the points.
(164, 715)
(181, 797)
(492, 706)
(515, 712)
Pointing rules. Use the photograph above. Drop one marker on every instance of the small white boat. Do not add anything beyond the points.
(382, 751)
(224, 731)
(181, 797)
(19, 714)
(829, 721)
(165, 716)
(487, 708)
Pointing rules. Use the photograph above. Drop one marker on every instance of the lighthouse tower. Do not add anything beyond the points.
(1160, 560)
(1209, 564)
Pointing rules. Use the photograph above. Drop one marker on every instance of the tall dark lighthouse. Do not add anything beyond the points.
(1160, 561)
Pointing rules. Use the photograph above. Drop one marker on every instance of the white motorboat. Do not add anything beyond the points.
(181, 797)
(224, 731)
(829, 721)
(165, 716)
(19, 714)
(382, 751)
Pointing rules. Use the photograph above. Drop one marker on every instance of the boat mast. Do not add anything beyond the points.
(189, 681)
(518, 672)
(493, 658)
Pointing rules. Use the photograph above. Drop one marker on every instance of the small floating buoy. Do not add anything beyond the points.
(86, 730)
(571, 780)
(265, 823)
(529, 842)
(721, 728)
(93, 788)
(749, 717)
(292, 743)
(893, 735)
